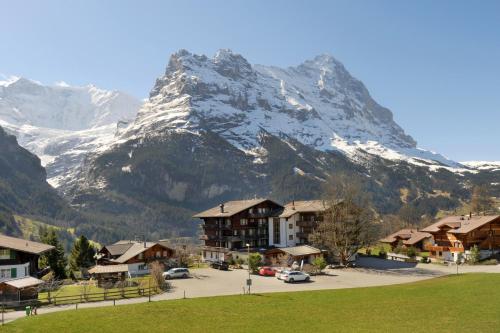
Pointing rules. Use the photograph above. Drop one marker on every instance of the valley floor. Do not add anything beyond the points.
(421, 306)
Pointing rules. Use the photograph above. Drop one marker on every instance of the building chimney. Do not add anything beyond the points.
(293, 204)
(221, 206)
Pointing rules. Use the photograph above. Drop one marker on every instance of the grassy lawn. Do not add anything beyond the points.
(463, 303)
(76, 290)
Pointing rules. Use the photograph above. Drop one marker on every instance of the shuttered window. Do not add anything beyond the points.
(13, 272)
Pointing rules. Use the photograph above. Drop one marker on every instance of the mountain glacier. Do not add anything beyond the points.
(60, 123)
(317, 103)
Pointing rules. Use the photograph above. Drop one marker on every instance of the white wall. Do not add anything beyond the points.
(133, 269)
(22, 271)
(285, 231)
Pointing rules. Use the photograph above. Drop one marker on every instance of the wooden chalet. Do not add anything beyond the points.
(136, 255)
(409, 238)
(19, 270)
(233, 224)
(109, 274)
(457, 234)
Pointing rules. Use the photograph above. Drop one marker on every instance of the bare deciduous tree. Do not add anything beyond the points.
(348, 222)
(156, 271)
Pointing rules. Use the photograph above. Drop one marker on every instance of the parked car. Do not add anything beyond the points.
(280, 272)
(222, 265)
(267, 271)
(295, 276)
(176, 273)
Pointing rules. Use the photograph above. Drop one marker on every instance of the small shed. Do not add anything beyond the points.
(287, 255)
(20, 289)
(109, 273)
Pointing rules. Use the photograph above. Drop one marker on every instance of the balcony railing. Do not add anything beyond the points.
(309, 224)
(302, 234)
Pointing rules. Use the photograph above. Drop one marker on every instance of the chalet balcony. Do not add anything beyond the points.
(436, 248)
(308, 224)
(302, 235)
(215, 227)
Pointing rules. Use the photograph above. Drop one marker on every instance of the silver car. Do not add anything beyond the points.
(176, 273)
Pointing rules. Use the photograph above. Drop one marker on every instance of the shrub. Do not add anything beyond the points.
(319, 264)
(474, 255)
(411, 252)
(254, 262)
(382, 253)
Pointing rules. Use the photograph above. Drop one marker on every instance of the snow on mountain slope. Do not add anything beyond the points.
(483, 165)
(61, 124)
(317, 103)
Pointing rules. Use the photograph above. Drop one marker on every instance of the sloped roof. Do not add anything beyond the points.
(135, 249)
(118, 249)
(409, 236)
(99, 269)
(303, 207)
(23, 245)
(297, 251)
(461, 224)
(231, 208)
(23, 282)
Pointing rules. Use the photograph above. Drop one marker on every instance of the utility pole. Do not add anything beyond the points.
(249, 281)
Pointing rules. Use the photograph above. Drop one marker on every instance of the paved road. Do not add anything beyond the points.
(210, 282)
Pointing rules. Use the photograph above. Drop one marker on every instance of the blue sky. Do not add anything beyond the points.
(435, 64)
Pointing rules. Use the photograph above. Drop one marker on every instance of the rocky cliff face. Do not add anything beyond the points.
(23, 188)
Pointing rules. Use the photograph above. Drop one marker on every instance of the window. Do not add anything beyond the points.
(235, 232)
(290, 226)
(26, 271)
(143, 267)
(251, 210)
(5, 273)
(158, 254)
(4, 254)
(243, 222)
(140, 256)
(276, 231)
(290, 237)
(165, 253)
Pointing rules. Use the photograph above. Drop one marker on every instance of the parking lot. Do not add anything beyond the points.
(212, 282)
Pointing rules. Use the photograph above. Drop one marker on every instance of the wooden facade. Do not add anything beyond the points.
(248, 226)
(460, 234)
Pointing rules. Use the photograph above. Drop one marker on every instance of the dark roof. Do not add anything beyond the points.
(118, 249)
(232, 207)
(409, 236)
(23, 245)
(461, 224)
(126, 249)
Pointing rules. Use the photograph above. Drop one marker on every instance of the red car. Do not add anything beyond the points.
(266, 271)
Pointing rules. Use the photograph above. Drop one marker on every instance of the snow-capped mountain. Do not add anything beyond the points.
(61, 123)
(317, 103)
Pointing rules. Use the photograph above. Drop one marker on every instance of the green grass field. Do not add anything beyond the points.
(463, 303)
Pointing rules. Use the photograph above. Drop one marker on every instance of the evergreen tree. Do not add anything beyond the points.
(82, 254)
(55, 259)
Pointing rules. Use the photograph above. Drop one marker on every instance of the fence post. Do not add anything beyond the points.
(149, 290)
(184, 294)
(114, 302)
(3, 310)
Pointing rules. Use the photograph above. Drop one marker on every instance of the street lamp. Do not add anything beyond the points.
(249, 281)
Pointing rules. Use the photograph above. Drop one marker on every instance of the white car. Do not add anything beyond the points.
(279, 273)
(294, 276)
(176, 273)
